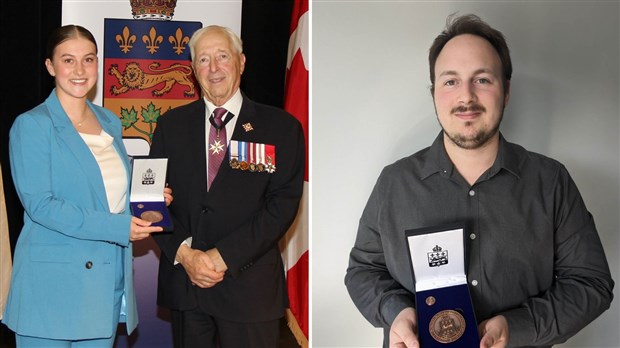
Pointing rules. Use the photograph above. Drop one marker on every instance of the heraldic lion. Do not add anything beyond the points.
(134, 78)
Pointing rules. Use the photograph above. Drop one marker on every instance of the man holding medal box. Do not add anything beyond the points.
(536, 269)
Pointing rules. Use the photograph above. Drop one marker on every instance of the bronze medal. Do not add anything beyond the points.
(152, 216)
(261, 167)
(244, 165)
(430, 301)
(234, 163)
(253, 167)
(447, 326)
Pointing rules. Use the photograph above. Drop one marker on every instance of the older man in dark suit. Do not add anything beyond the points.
(221, 271)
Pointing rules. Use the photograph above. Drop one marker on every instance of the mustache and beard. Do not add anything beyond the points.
(480, 137)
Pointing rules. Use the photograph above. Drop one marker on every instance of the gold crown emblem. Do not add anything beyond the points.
(153, 9)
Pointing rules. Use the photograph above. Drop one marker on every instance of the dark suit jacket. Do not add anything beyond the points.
(243, 215)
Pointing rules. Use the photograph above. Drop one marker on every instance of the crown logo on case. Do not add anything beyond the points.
(148, 177)
(438, 257)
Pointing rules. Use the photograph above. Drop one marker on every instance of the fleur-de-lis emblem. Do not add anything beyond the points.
(178, 41)
(126, 41)
(153, 40)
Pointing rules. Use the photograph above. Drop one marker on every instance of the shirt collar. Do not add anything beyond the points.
(507, 158)
(233, 105)
(439, 162)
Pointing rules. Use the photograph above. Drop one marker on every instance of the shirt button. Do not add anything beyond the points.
(474, 282)
(472, 236)
(472, 193)
(88, 265)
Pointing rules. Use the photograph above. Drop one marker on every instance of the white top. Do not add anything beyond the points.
(112, 169)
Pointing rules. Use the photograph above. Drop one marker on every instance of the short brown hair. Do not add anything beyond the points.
(470, 24)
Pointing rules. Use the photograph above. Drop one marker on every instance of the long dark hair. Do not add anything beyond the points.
(64, 33)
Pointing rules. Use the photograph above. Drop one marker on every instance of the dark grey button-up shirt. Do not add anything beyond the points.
(534, 254)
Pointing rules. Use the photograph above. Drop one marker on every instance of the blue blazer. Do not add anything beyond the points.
(71, 247)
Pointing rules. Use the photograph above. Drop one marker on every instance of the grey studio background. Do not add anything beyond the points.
(371, 105)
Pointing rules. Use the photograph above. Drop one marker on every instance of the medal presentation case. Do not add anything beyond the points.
(446, 317)
(148, 180)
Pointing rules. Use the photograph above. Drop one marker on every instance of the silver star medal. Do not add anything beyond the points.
(216, 147)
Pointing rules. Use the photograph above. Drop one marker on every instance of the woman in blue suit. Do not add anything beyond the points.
(72, 279)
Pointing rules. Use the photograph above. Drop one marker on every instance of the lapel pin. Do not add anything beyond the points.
(248, 127)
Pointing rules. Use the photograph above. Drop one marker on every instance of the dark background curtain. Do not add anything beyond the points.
(265, 34)
(24, 26)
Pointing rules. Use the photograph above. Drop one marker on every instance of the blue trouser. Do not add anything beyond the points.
(39, 342)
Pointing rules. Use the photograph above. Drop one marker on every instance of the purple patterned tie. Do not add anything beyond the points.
(217, 145)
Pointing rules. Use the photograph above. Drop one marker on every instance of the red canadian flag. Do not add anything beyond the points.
(295, 244)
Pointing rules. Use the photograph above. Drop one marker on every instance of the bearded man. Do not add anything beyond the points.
(536, 269)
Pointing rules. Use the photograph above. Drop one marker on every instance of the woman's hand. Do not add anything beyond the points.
(140, 229)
